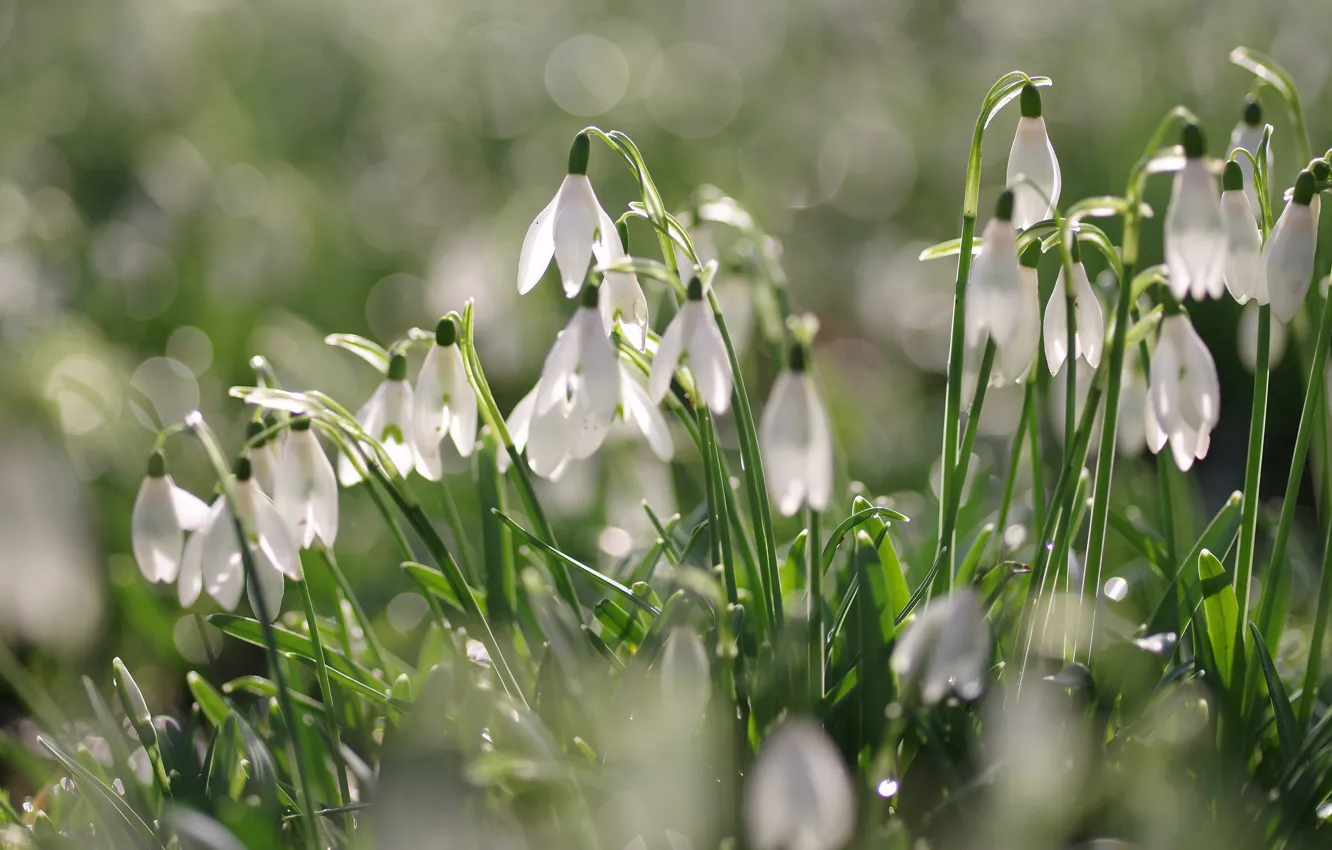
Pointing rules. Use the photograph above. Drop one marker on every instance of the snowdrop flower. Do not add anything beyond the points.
(444, 402)
(1246, 275)
(693, 340)
(571, 228)
(1248, 134)
(1289, 252)
(387, 417)
(1002, 302)
(795, 440)
(1131, 431)
(306, 494)
(799, 795)
(263, 456)
(946, 648)
(1088, 321)
(621, 299)
(638, 409)
(212, 560)
(1032, 157)
(1185, 394)
(1247, 342)
(685, 681)
(162, 514)
(1195, 235)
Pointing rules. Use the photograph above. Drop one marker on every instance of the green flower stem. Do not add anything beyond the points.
(814, 589)
(453, 518)
(1034, 445)
(953, 404)
(719, 532)
(330, 705)
(954, 506)
(1313, 673)
(1254, 467)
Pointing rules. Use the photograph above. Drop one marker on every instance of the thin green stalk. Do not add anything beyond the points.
(1254, 467)
(466, 554)
(719, 534)
(1037, 471)
(1015, 463)
(814, 589)
(1164, 472)
(330, 706)
(1313, 673)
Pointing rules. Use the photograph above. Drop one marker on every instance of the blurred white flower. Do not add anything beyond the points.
(444, 401)
(1131, 433)
(795, 440)
(1088, 321)
(1246, 275)
(1247, 342)
(694, 340)
(571, 228)
(1032, 157)
(799, 795)
(638, 409)
(1185, 394)
(1195, 236)
(946, 647)
(264, 456)
(306, 494)
(212, 558)
(387, 417)
(1248, 134)
(685, 680)
(1002, 303)
(162, 514)
(1289, 251)
(622, 301)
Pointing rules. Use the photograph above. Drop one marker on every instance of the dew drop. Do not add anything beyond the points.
(887, 788)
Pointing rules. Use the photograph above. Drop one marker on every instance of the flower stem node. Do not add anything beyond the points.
(1253, 112)
(695, 290)
(1232, 179)
(446, 332)
(1304, 188)
(157, 464)
(1195, 143)
(397, 370)
(587, 296)
(299, 423)
(243, 469)
(580, 150)
(1030, 101)
(1003, 208)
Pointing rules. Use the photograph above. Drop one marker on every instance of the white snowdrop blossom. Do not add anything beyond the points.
(162, 514)
(795, 440)
(1185, 393)
(621, 299)
(638, 409)
(264, 455)
(685, 681)
(1002, 303)
(1248, 135)
(387, 417)
(694, 340)
(1289, 252)
(572, 228)
(1131, 431)
(306, 494)
(1246, 343)
(799, 795)
(946, 648)
(445, 404)
(1246, 274)
(1195, 235)
(213, 562)
(1088, 320)
(1032, 157)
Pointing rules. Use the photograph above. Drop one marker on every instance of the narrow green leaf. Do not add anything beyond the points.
(1288, 730)
(1265, 68)
(251, 631)
(948, 248)
(211, 702)
(968, 568)
(1222, 613)
(626, 627)
(921, 590)
(1172, 613)
(845, 526)
(368, 350)
(102, 797)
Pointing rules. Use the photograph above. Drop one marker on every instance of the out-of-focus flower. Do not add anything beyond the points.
(1289, 252)
(795, 440)
(1002, 303)
(1131, 433)
(1246, 275)
(1248, 134)
(946, 648)
(1247, 342)
(571, 228)
(264, 456)
(638, 409)
(1195, 236)
(1032, 157)
(162, 514)
(445, 403)
(1185, 394)
(306, 494)
(693, 340)
(799, 795)
(685, 681)
(622, 301)
(387, 417)
(1088, 321)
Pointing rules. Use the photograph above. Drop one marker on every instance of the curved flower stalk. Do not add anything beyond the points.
(693, 340)
(1246, 274)
(1089, 322)
(946, 648)
(444, 402)
(1032, 157)
(1248, 135)
(795, 439)
(264, 455)
(621, 298)
(162, 514)
(1002, 304)
(306, 494)
(212, 560)
(571, 228)
(1195, 235)
(1289, 252)
(387, 417)
(799, 795)
(1185, 393)
(1247, 339)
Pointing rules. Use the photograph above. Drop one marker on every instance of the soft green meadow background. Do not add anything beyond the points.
(187, 183)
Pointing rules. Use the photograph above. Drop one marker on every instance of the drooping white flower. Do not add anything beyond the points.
(1185, 393)
(1248, 134)
(1032, 157)
(621, 298)
(264, 455)
(1088, 321)
(693, 340)
(1195, 235)
(685, 680)
(795, 440)
(638, 409)
(1289, 252)
(1246, 343)
(1246, 275)
(799, 795)
(162, 514)
(213, 562)
(444, 403)
(946, 648)
(1131, 432)
(1002, 302)
(306, 494)
(571, 228)
(387, 417)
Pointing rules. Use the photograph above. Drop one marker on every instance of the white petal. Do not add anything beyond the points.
(263, 463)
(557, 373)
(639, 409)
(1056, 327)
(538, 248)
(1200, 387)
(549, 441)
(191, 511)
(709, 363)
(462, 424)
(1246, 275)
(599, 370)
(1195, 237)
(431, 415)
(622, 302)
(430, 464)
(518, 425)
(783, 438)
(1249, 137)
(1131, 435)
(607, 246)
(1091, 322)
(799, 795)
(575, 225)
(190, 583)
(995, 289)
(1288, 257)
(1156, 438)
(1013, 359)
(819, 451)
(155, 531)
(223, 572)
(961, 654)
(271, 584)
(371, 417)
(669, 352)
(1033, 157)
(275, 540)
(395, 432)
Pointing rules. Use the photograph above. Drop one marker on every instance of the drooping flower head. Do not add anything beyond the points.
(1032, 157)
(1184, 392)
(264, 454)
(306, 494)
(623, 304)
(1088, 321)
(1002, 303)
(1248, 134)
(1246, 275)
(799, 795)
(946, 648)
(694, 340)
(1288, 255)
(162, 514)
(387, 417)
(1195, 235)
(795, 439)
(445, 404)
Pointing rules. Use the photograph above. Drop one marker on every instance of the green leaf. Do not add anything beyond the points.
(974, 555)
(792, 572)
(103, 798)
(369, 351)
(266, 688)
(1265, 68)
(211, 702)
(859, 517)
(948, 248)
(433, 581)
(627, 628)
(1222, 614)
(1288, 730)
(1104, 206)
(1172, 613)
(251, 631)
(924, 586)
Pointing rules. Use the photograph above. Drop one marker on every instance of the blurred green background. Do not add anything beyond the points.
(186, 183)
